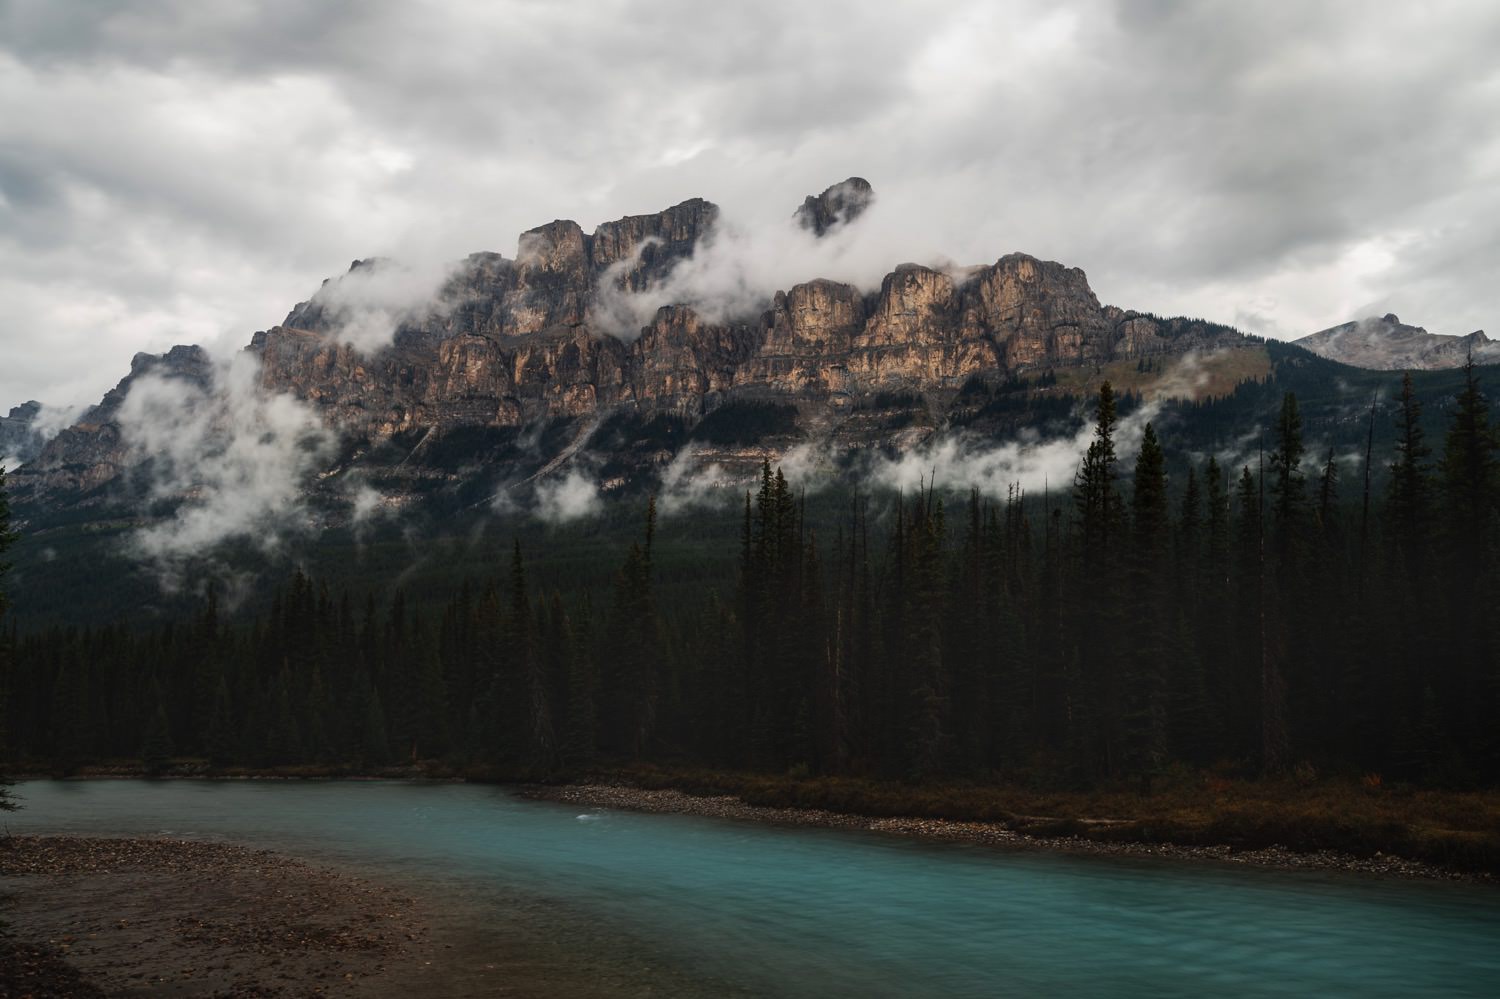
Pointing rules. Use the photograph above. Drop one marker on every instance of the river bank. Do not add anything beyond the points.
(1169, 836)
(183, 918)
(97, 916)
(541, 898)
(1291, 822)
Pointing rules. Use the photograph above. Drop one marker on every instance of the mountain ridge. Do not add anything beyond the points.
(507, 344)
(1385, 343)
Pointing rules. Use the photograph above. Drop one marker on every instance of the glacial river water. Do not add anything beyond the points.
(812, 912)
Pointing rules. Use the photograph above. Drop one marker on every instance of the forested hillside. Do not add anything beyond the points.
(1273, 614)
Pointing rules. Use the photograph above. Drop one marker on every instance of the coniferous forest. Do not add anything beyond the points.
(1259, 618)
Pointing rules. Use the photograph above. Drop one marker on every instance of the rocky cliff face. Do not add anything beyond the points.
(93, 452)
(1387, 344)
(839, 205)
(19, 439)
(513, 343)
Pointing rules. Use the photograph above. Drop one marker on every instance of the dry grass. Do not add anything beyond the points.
(1196, 377)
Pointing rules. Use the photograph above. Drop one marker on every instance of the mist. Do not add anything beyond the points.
(752, 253)
(574, 496)
(237, 458)
(366, 306)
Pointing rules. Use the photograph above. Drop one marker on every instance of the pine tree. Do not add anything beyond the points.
(432, 727)
(374, 745)
(1470, 488)
(1213, 626)
(527, 715)
(634, 649)
(1152, 622)
(7, 539)
(1101, 523)
(580, 731)
(221, 736)
(1410, 485)
(1243, 702)
(1287, 482)
(157, 749)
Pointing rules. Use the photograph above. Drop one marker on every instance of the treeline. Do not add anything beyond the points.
(1260, 618)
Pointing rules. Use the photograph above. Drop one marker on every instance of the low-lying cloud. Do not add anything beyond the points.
(738, 267)
(572, 497)
(687, 486)
(366, 306)
(237, 458)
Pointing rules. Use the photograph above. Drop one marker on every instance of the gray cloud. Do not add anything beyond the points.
(179, 171)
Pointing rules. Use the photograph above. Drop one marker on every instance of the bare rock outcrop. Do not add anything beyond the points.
(93, 452)
(835, 207)
(1385, 343)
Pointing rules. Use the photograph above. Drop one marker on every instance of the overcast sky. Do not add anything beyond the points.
(187, 171)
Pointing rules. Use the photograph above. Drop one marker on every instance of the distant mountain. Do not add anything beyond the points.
(517, 365)
(1387, 344)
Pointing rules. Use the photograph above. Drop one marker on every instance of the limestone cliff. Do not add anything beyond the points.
(514, 343)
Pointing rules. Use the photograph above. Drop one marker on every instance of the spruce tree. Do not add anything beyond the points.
(221, 739)
(1243, 700)
(1213, 626)
(7, 539)
(1152, 622)
(1470, 486)
(1101, 526)
(634, 650)
(157, 749)
(1410, 485)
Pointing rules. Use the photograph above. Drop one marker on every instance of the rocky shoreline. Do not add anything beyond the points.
(165, 917)
(175, 918)
(991, 834)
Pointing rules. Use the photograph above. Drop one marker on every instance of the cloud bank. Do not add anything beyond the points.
(174, 171)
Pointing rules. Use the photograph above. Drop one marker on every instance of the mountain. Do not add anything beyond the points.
(1387, 344)
(20, 441)
(516, 365)
(837, 206)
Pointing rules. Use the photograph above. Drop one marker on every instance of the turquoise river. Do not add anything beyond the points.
(813, 912)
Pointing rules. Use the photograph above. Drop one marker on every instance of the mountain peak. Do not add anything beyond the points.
(1385, 343)
(836, 207)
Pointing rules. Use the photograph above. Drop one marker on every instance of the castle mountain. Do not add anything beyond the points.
(516, 363)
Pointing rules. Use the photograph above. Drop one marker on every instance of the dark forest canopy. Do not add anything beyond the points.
(1252, 617)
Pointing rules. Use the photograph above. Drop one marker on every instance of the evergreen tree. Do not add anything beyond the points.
(1152, 622)
(221, 735)
(1101, 524)
(1410, 488)
(1465, 679)
(1243, 703)
(633, 650)
(1214, 628)
(157, 749)
(1287, 483)
(7, 539)
(374, 745)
